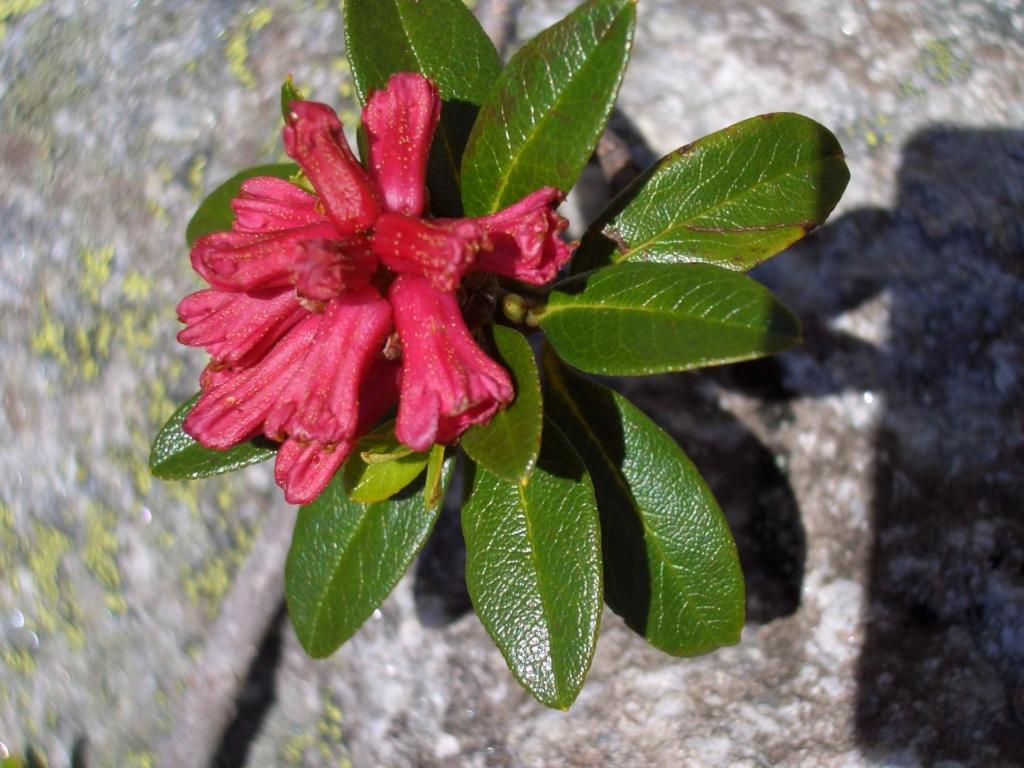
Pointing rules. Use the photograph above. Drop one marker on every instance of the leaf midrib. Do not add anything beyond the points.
(667, 314)
(548, 624)
(550, 111)
(342, 557)
(649, 534)
(624, 255)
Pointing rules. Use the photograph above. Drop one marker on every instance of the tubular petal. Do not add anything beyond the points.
(235, 405)
(525, 239)
(400, 121)
(237, 328)
(321, 401)
(269, 204)
(303, 470)
(242, 261)
(448, 382)
(328, 268)
(313, 137)
(443, 254)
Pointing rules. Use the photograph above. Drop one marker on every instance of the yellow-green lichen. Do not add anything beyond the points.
(56, 609)
(48, 340)
(871, 132)
(8, 545)
(237, 49)
(195, 176)
(136, 333)
(207, 586)
(19, 661)
(49, 546)
(95, 272)
(327, 740)
(136, 287)
(295, 746)
(140, 758)
(941, 64)
(158, 212)
(10, 9)
(100, 554)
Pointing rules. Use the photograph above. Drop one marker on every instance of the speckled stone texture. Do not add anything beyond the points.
(873, 476)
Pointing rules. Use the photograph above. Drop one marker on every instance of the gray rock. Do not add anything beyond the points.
(872, 476)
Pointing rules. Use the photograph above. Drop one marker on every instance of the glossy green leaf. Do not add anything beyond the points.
(442, 40)
(380, 466)
(176, 456)
(509, 443)
(533, 568)
(214, 213)
(671, 569)
(542, 121)
(346, 558)
(734, 198)
(635, 319)
(433, 489)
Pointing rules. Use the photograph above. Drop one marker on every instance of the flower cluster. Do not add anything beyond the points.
(326, 309)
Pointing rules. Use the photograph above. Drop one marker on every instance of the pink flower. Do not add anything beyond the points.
(448, 382)
(301, 339)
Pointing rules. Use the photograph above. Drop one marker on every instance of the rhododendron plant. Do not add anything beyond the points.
(367, 325)
(306, 290)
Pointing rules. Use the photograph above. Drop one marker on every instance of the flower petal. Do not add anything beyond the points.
(237, 328)
(304, 469)
(313, 137)
(442, 254)
(235, 403)
(448, 382)
(321, 401)
(269, 204)
(327, 268)
(400, 121)
(243, 261)
(525, 242)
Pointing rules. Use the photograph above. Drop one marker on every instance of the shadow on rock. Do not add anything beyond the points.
(941, 671)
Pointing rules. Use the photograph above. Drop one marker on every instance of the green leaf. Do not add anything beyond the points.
(671, 569)
(289, 93)
(542, 121)
(533, 568)
(634, 319)
(509, 443)
(380, 466)
(346, 558)
(214, 213)
(176, 456)
(433, 490)
(734, 198)
(442, 40)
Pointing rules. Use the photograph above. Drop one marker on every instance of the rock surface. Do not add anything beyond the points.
(872, 476)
